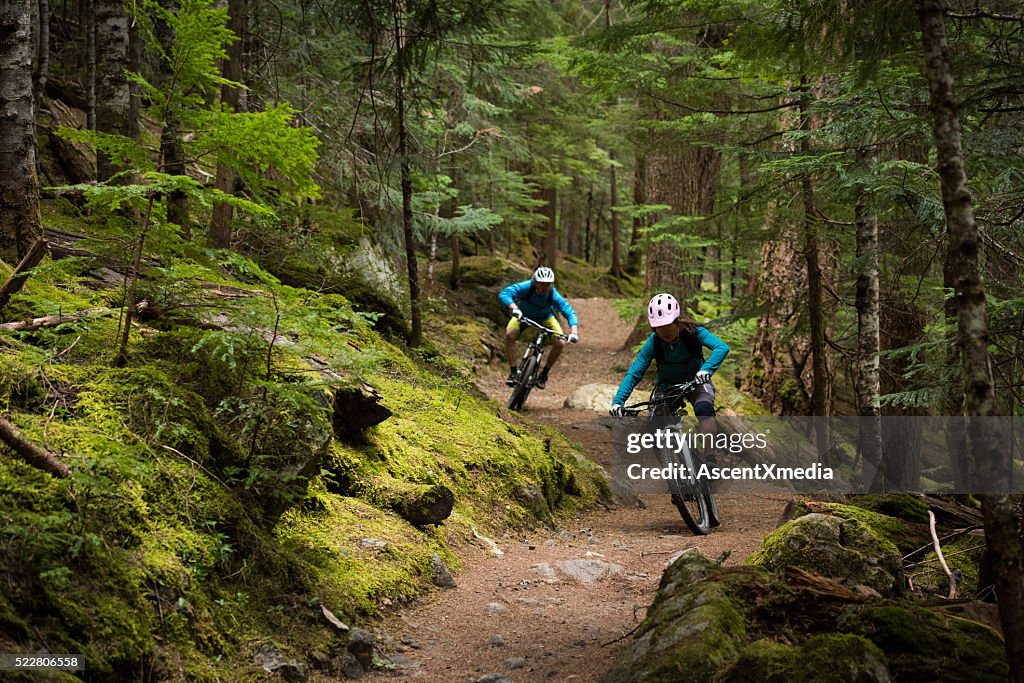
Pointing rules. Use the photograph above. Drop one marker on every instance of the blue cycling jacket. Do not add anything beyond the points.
(535, 306)
(679, 366)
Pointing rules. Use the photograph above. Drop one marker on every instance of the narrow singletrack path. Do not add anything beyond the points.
(556, 604)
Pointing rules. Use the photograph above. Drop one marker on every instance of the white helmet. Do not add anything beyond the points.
(663, 309)
(543, 274)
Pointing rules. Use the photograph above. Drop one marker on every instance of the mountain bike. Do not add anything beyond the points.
(530, 364)
(691, 495)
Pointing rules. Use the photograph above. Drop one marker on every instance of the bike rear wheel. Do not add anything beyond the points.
(691, 495)
(523, 384)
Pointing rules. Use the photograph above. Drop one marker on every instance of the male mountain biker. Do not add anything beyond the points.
(537, 299)
(676, 345)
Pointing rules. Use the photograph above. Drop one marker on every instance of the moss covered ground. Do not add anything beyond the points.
(211, 508)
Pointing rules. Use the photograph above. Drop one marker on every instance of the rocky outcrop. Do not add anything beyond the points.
(808, 606)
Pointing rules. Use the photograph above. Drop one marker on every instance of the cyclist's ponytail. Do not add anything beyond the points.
(688, 330)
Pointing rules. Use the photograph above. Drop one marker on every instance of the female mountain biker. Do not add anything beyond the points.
(537, 299)
(676, 344)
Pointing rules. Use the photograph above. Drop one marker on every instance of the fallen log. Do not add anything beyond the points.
(31, 453)
(418, 504)
(53, 320)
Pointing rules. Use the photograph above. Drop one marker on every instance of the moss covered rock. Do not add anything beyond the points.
(905, 535)
(846, 550)
(692, 630)
(826, 658)
(922, 645)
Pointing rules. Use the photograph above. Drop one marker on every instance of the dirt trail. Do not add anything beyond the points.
(523, 616)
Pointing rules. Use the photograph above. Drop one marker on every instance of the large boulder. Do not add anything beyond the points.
(693, 628)
(846, 550)
(596, 397)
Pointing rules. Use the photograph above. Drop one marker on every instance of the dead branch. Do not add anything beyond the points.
(942, 560)
(31, 453)
(53, 320)
(17, 278)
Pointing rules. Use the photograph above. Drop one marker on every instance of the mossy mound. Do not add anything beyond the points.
(906, 536)
(212, 514)
(826, 658)
(846, 550)
(925, 646)
(899, 505)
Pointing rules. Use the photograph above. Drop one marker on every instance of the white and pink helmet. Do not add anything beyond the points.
(662, 310)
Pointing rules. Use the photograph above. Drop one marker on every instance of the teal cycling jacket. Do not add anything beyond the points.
(535, 306)
(679, 365)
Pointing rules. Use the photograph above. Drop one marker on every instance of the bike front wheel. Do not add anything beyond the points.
(523, 385)
(691, 495)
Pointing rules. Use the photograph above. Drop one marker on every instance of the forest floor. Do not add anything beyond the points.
(557, 604)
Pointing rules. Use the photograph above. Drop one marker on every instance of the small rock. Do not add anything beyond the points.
(270, 658)
(439, 574)
(515, 662)
(494, 678)
(545, 570)
(350, 667)
(360, 646)
(372, 543)
(496, 641)
(495, 608)
(589, 571)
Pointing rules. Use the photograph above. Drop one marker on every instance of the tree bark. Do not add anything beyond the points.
(19, 185)
(233, 98)
(869, 341)
(550, 212)
(171, 145)
(1001, 529)
(416, 325)
(43, 54)
(613, 189)
(113, 96)
(633, 258)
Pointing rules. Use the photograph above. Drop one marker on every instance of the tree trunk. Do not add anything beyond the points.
(550, 212)
(113, 96)
(89, 24)
(19, 185)
(613, 189)
(171, 146)
(633, 258)
(815, 300)
(869, 342)
(1001, 530)
(43, 54)
(416, 326)
(231, 97)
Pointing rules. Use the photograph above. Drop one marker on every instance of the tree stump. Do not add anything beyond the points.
(356, 410)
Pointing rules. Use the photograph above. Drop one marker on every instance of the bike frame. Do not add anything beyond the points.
(691, 492)
(534, 351)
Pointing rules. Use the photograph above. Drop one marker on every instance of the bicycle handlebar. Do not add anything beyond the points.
(665, 396)
(534, 323)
